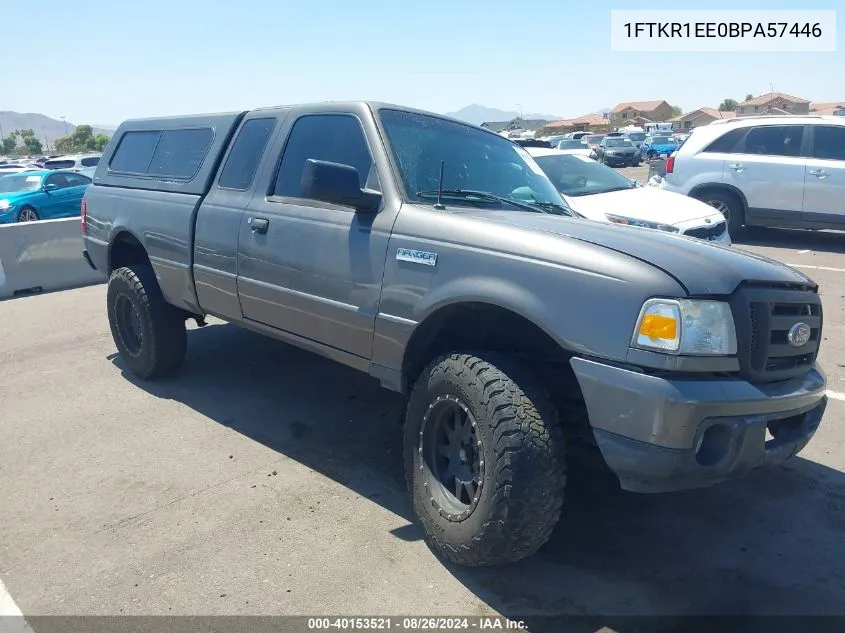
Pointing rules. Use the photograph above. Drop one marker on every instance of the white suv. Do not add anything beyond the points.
(784, 171)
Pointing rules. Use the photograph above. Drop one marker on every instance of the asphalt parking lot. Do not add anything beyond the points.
(264, 480)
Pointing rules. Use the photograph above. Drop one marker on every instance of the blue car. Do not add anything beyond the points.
(41, 195)
(659, 145)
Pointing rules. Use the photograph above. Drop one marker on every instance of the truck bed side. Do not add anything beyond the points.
(147, 189)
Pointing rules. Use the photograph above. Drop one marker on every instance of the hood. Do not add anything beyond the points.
(664, 147)
(703, 268)
(15, 196)
(644, 203)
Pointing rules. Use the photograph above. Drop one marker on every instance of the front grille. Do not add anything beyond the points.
(764, 317)
(708, 232)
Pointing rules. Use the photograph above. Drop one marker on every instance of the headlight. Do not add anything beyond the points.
(686, 326)
(4, 204)
(619, 219)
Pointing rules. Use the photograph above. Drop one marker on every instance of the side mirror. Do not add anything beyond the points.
(637, 183)
(49, 187)
(337, 183)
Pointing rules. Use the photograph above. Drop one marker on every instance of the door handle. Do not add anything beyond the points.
(736, 166)
(818, 173)
(259, 225)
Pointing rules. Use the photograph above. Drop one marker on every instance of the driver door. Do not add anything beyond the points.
(313, 268)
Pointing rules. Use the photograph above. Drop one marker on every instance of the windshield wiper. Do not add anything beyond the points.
(483, 196)
(555, 208)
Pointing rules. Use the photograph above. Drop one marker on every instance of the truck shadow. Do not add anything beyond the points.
(819, 241)
(770, 543)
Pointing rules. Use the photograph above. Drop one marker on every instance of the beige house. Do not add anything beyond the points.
(773, 103)
(586, 123)
(826, 109)
(639, 112)
(699, 117)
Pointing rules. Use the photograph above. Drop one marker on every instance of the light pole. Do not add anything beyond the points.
(519, 105)
(65, 122)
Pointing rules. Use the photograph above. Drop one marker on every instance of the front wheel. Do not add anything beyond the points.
(728, 205)
(149, 332)
(484, 459)
(28, 214)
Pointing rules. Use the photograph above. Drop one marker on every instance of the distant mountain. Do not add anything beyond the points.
(478, 114)
(43, 126)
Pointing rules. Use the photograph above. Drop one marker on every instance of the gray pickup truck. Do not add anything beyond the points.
(437, 257)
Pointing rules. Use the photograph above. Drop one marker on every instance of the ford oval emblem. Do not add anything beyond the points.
(799, 335)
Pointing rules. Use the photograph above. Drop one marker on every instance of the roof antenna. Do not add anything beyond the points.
(439, 204)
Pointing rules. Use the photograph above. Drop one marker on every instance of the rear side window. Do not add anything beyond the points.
(59, 164)
(134, 153)
(90, 161)
(246, 153)
(774, 140)
(179, 153)
(829, 142)
(169, 153)
(329, 137)
(727, 143)
(77, 180)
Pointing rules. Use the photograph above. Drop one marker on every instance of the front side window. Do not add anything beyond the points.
(77, 180)
(472, 159)
(59, 180)
(829, 142)
(336, 138)
(774, 140)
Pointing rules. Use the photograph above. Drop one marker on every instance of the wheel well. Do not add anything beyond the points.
(486, 327)
(733, 191)
(126, 250)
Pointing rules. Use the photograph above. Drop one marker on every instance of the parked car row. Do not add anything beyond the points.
(75, 162)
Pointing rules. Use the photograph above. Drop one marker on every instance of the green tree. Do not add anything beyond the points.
(33, 145)
(728, 105)
(30, 142)
(80, 140)
(9, 144)
(676, 111)
(749, 97)
(97, 143)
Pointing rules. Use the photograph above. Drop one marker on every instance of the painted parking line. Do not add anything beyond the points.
(11, 618)
(835, 395)
(835, 270)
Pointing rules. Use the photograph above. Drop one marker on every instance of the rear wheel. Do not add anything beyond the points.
(483, 459)
(728, 205)
(149, 333)
(28, 214)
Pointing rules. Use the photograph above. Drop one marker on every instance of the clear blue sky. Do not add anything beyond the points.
(108, 61)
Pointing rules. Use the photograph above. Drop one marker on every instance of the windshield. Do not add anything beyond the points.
(579, 176)
(473, 160)
(636, 136)
(618, 142)
(572, 144)
(19, 182)
(595, 139)
(662, 140)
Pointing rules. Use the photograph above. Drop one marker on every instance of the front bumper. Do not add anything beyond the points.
(659, 435)
(621, 160)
